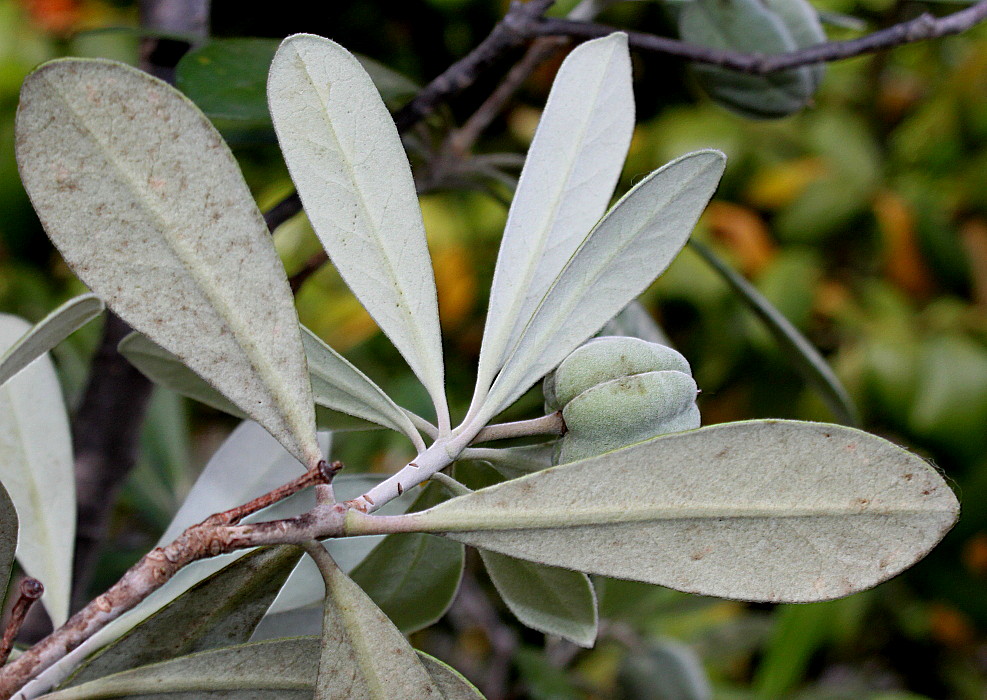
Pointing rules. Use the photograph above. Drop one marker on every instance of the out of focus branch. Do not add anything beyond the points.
(922, 28)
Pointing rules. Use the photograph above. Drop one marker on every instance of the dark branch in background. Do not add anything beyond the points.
(922, 28)
(524, 22)
(106, 429)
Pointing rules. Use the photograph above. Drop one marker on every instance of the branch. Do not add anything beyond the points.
(218, 534)
(31, 590)
(921, 28)
(552, 424)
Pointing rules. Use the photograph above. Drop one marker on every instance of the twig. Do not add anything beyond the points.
(921, 28)
(210, 538)
(509, 33)
(462, 139)
(552, 424)
(30, 590)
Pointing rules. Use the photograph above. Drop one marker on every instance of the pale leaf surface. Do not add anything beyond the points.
(364, 656)
(568, 178)
(280, 669)
(338, 385)
(353, 177)
(779, 511)
(8, 541)
(36, 468)
(147, 205)
(412, 577)
(619, 258)
(49, 332)
(545, 598)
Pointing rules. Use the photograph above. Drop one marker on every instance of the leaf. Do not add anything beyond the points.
(273, 670)
(568, 179)
(36, 468)
(799, 631)
(145, 202)
(220, 611)
(413, 578)
(363, 654)
(664, 670)
(779, 511)
(513, 462)
(634, 321)
(545, 598)
(753, 26)
(451, 682)
(347, 162)
(49, 332)
(338, 385)
(620, 257)
(8, 542)
(227, 79)
(804, 357)
(284, 668)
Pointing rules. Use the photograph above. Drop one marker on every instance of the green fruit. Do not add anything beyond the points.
(754, 26)
(605, 358)
(627, 410)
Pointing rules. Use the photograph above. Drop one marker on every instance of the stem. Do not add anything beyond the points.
(31, 590)
(552, 424)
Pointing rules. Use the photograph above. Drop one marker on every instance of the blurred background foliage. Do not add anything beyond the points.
(862, 218)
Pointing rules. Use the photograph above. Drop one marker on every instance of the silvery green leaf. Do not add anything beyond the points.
(49, 332)
(220, 611)
(283, 669)
(806, 359)
(146, 204)
(165, 368)
(634, 321)
(280, 669)
(513, 462)
(412, 577)
(36, 468)
(347, 162)
(619, 258)
(345, 398)
(780, 511)
(545, 598)
(804, 26)
(8, 541)
(567, 182)
(450, 681)
(338, 385)
(364, 656)
(664, 670)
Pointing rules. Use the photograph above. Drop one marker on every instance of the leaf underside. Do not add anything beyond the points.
(147, 205)
(347, 162)
(779, 511)
(37, 470)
